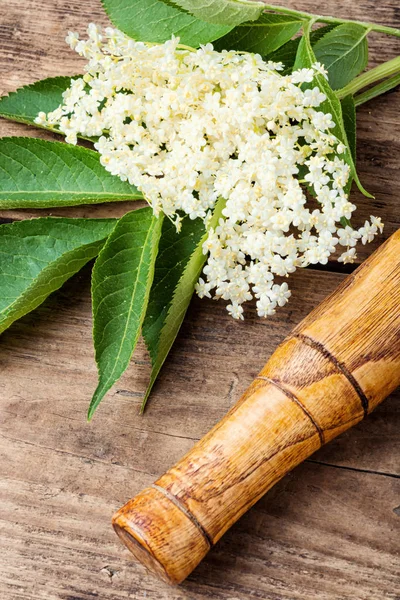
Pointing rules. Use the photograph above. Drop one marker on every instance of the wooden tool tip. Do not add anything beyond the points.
(160, 536)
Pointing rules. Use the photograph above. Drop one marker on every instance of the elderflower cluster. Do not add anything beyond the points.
(188, 127)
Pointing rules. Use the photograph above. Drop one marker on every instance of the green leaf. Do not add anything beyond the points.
(344, 52)
(349, 122)
(305, 58)
(286, 54)
(35, 174)
(175, 257)
(221, 12)
(24, 104)
(37, 256)
(156, 21)
(263, 36)
(178, 268)
(121, 282)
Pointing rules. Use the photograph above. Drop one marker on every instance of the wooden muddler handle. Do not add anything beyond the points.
(337, 365)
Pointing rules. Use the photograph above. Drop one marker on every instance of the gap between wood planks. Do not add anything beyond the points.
(346, 468)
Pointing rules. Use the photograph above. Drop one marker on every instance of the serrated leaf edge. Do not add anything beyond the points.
(306, 36)
(9, 309)
(157, 221)
(198, 250)
(48, 203)
(29, 122)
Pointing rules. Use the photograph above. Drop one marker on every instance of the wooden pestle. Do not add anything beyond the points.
(337, 365)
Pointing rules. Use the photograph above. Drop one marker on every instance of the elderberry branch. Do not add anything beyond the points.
(377, 90)
(386, 69)
(334, 20)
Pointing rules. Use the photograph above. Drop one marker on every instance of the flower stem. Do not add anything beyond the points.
(377, 90)
(323, 19)
(386, 69)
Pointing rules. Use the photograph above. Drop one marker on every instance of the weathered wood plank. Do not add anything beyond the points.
(216, 356)
(64, 478)
(294, 544)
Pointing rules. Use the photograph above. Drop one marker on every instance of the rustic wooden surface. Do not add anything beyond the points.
(333, 369)
(329, 531)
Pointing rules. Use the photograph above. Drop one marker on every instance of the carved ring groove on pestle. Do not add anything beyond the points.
(291, 396)
(294, 399)
(185, 511)
(337, 365)
(309, 341)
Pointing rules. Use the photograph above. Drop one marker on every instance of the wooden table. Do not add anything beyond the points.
(329, 531)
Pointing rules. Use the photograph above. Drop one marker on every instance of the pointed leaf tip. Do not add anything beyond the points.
(178, 268)
(121, 282)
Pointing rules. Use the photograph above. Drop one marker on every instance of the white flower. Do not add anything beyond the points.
(313, 97)
(303, 76)
(377, 221)
(348, 236)
(41, 119)
(348, 257)
(370, 230)
(187, 127)
(280, 294)
(315, 255)
(72, 39)
(203, 288)
(320, 69)
(322, 121)
(327, 241)
(265, 307)
(235, 310)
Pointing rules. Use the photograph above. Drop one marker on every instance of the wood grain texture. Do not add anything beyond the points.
(324, 532)
(336, 366)
(327, 531)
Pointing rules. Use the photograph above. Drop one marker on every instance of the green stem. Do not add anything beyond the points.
(377, 90)
(386, 69)
(323, 19)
